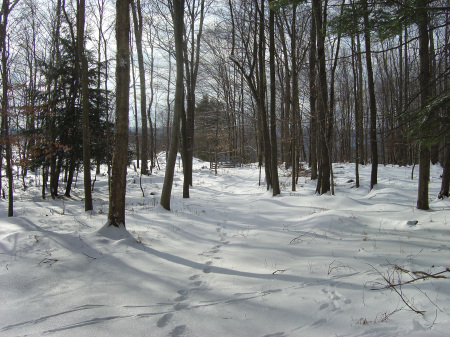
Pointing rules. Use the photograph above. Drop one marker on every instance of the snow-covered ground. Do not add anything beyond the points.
(230, 261)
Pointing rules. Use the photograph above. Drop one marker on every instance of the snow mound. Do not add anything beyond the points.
(114, 233)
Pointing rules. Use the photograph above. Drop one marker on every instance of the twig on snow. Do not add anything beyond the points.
(415, 276)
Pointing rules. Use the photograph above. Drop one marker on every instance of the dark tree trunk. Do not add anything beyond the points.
(446, 161)
(136, 120)
(44, 181)
(70, 171)
(149, 113)
(138, 24)
(372, 100)
(4, 104)
(273, 120)
(330, 122)
(54, 173)
(192, 62)
(424, 84)
(169, 107)
(178, 24)
(445, 174)
(313, 99)
(358, 114)
(323, 185)
(116, 214)
(286, 97)
(262, 89)
(295, 100)
(85, 106)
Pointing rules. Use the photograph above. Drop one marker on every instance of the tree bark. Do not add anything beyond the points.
(116, 214)
(323, 185)
(85, 106)
(295, 101)
(192, 61)
(444, 192)
(273, 120)
(149, 112)
(136, 120)
(262, 90)
(178, 24)
(313, 99)
(286, 98)
(138, 24)
(445, 184)
(372, 100)
(424, 84)
(6, 9)
(358, 114)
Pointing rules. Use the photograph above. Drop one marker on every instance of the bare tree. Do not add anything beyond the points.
(372, 99)
(116, 214)
(323, 183)
(273, 119)
(178, 24)
(6, 10)
(425, 93)
(445, 185)
(313, 98)
(192, 61)
(138, 27)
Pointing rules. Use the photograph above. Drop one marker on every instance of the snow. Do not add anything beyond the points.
(230, 261)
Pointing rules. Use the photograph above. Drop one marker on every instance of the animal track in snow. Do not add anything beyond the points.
(181, 298)
(178, 331)
(194, 277)
(180, 306)
(324, 306)
(163, 321)
(335, 299)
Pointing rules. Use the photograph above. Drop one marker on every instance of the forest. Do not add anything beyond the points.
(224, 168)
(300, 84)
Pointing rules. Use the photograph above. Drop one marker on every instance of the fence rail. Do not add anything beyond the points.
(226, 162)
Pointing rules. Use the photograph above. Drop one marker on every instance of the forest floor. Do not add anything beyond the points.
(230, 261)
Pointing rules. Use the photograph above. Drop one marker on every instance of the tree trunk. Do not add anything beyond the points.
(358, 114)
(149, 112)
(331, 107)
(178, 24)
(424, 84)
(137, 20)
(4, 103)
(372, 100)
(136, 120)
(323, 186)
(445, 185)
(85, 106)
(70, 171)
(273, 120)
(262, 90)
(444, 192)
(192, 61)
(295, 101)
(313, 99)
(116, 214)
(286, 98)
(169, 107)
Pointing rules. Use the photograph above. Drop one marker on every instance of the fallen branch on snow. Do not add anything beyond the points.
(415, 276)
